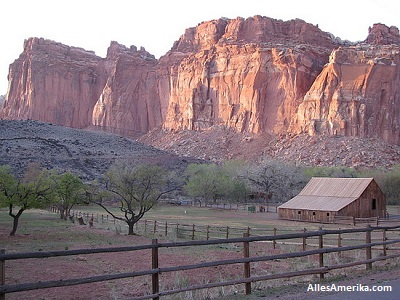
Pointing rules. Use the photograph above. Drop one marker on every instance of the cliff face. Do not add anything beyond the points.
(356, 94)
(249, 75)
(54, 83)
(128, 102)
(252, 75)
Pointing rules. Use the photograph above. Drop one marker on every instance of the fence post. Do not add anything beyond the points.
(274, 241)
(193, 232)
(384, 239)
(145, 226)
(339, 242)
(321, 255)
(304, 240)
(155, 226)
(154, 265)
(368, 251)
(227, 232)
(246, 265)
(166, 228)
(208, 232)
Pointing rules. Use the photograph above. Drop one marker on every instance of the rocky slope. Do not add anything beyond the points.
(83, 152)
(255, 79)
(221, 144)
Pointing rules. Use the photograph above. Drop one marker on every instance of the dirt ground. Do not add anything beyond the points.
(74, 236)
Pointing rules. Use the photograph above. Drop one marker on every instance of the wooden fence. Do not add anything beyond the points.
(205, 232)
(372, 220)
(380, 248)
(171, 229)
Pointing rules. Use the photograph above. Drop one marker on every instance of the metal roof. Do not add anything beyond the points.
(328, 194)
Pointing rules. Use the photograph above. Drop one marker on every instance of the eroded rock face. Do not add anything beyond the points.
(356, 94)
(129, 101)
(54, 83)
(255, 75)
(248, 74)
(380, 34)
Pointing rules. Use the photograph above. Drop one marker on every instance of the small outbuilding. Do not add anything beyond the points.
(324, 198)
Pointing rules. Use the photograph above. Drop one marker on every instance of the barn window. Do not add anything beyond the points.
(327, 214)
(373, 203)
(313, 213)
(299, 212)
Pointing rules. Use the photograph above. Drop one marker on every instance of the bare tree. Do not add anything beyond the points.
(135, 188)
(276, 180)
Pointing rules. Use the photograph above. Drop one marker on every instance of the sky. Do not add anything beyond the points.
(156, 24)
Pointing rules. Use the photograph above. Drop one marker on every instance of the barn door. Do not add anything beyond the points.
(374, 208)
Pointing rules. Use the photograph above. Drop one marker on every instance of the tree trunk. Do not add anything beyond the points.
(130, 228)
(61, 214)
(16, 219)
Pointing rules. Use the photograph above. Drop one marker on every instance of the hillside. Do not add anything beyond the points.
(86, 153)
(320, 150)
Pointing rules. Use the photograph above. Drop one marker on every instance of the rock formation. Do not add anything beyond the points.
(356, 94)
(54, 83)
(244, 74)
(255, 75)
(129, 102)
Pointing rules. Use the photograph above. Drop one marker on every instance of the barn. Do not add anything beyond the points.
(324, 198)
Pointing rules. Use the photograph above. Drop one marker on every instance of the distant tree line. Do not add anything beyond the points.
(137, 188)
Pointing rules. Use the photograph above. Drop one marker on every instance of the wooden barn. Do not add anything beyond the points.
(324, 198)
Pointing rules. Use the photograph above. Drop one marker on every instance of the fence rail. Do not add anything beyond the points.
(368, 245)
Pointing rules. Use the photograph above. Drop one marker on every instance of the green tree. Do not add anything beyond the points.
(340, 172)
(69, 191)
(388, 180)
(135, 188)
(236, 188)
(204, 181)
(31, 191)
(211, 182)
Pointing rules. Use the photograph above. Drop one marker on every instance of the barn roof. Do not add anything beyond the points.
(328, 194)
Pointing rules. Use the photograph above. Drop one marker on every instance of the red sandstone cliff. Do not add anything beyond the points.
(356, 94)
(249, 75)
(252, 75)
(129, 101)
(54, 83)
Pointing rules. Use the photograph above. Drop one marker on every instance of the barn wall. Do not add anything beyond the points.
(363, 206)
(306, 215)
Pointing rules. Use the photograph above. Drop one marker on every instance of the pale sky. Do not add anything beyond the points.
(156, 24)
